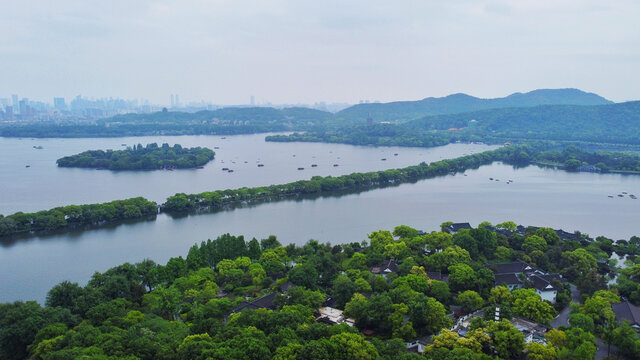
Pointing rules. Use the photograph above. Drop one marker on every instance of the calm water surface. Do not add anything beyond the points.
(43, 185)
(537, 196)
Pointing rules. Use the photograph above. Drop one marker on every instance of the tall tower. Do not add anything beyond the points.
(14, 101)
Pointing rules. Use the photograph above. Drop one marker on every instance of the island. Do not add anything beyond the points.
(150, 157)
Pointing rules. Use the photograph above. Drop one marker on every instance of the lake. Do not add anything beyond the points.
(43, 185)
(537, 196)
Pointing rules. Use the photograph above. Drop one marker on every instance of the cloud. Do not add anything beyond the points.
(306, 51)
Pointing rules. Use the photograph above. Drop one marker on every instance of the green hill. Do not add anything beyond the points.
(614, 123)
(401, 111)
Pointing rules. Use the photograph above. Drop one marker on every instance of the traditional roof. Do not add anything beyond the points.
(455, 227)
(567, 235)
(389, 267)
(543, 282)
(265, 302)
(512, 267)
(627, 311)
(507, 279)
(288, 285)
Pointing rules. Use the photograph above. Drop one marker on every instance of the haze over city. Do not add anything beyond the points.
(289, 52)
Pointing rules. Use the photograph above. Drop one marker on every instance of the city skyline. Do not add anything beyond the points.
(302, 52)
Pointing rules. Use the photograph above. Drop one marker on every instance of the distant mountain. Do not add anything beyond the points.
(402, 111)
(611, 123)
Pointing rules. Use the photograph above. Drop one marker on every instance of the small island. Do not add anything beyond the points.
(150, 157)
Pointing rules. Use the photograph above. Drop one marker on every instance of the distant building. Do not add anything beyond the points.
(59, 104)
(627, 311)
(455, 227)
(514, 274)
(387, 268)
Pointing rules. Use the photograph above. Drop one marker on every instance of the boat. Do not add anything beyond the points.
(246, 162)
(620, 195)
(260, 165)
(396, 154)
(27, 165)
(199, 167)
(633, 196)
(223, 138)
(624, 192)
(335, 165)
(225, 169)
(38, 147)
(230, 170)
(300, 168)
(611, 196)
(123, 144)
(491, 179)
(314, 165)
(384, 159)
(216, 147)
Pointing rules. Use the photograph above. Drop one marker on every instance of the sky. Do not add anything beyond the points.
(309, 51)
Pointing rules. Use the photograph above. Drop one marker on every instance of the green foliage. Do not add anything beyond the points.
(137, 157)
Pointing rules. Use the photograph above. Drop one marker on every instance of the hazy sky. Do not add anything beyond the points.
(306, 51)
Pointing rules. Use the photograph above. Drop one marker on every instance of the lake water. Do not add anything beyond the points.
(43, 185)
(537, 196)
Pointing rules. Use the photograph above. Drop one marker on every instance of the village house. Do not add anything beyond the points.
(515, 274)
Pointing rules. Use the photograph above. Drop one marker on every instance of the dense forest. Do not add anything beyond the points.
(608, 124)
(236, 299)
(150, 157)
(77, 216)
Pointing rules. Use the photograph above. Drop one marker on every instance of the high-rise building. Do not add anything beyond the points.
(173, 101)
(14, 102)
(24, 108)
(58, 103)
(177, 98)
(253, 100)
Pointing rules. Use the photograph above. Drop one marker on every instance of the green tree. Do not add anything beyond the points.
(470, 301)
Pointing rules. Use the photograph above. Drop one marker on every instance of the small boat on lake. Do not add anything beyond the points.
(260, 165)
(216, 147)
(230, 170)
(335, 165)
(225, 169)
(611, 196)
(300, 168)
(199, 167)
(314, 165)
(27, 166)
(491, 179)
(383, 159)
(396, 154)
